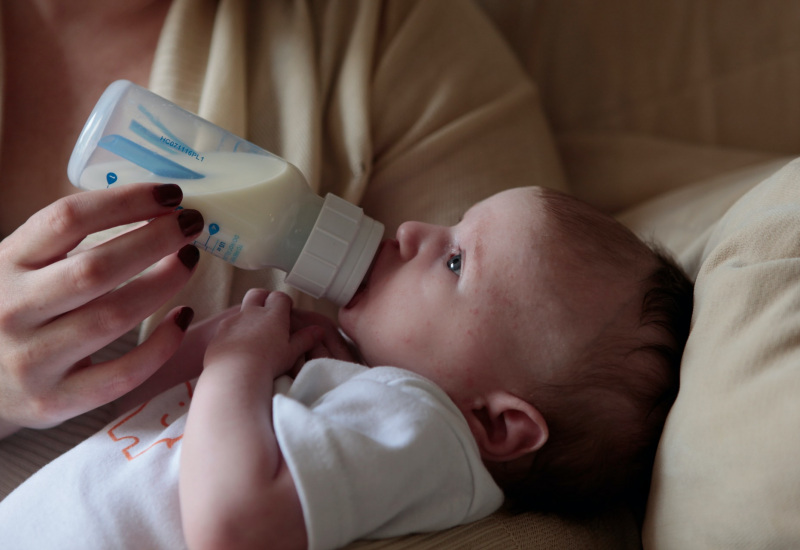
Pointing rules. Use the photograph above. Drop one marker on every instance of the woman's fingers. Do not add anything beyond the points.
(80, 278)
(98, 384)
(60, 305)
(99, 322)
(55, 230)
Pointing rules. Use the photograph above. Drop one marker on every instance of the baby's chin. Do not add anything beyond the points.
(346, 329)
(351, 344)
(356, 332)
(345, 317)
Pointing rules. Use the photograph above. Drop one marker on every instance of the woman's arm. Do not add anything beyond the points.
(235, 489)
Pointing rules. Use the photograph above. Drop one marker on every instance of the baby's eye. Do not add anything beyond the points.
(454, 264)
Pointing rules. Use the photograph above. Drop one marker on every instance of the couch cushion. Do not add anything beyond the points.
(682, 220)
(727, 474)
(717, 73)
(614, 171)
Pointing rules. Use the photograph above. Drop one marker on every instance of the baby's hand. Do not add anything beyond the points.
(332, 343)
(259, 338)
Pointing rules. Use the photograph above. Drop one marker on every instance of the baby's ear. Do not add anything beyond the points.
(506, 427)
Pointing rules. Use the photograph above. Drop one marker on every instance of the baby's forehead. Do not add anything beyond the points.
(543, 232)
(514, 212)
(538, 227)
(539, 209)
(569, 267)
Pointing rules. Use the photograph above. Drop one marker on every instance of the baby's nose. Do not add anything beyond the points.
(409, 236)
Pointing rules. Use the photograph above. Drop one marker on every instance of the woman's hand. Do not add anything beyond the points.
(185, 364)
(58, 305)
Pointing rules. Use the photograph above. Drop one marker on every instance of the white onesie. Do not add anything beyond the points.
(373, 452)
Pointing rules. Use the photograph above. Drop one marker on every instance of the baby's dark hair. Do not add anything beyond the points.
(606, 421)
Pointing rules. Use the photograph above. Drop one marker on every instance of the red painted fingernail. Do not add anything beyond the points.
(168, 194)
(189, 256)
(184, 317)
(191, 222)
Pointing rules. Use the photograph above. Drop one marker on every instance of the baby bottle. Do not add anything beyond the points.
(258, 208)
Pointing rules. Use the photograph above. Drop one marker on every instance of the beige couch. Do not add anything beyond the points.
(679, 117)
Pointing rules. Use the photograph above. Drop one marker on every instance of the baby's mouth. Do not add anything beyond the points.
(365, 283)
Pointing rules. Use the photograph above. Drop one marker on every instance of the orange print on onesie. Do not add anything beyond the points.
(138, 435)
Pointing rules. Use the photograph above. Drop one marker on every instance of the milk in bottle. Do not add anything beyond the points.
(258, 209)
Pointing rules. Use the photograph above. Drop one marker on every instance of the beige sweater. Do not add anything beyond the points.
(413, 109)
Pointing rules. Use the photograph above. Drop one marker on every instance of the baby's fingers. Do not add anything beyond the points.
(332, 343)
(255, 297)
(305, 340)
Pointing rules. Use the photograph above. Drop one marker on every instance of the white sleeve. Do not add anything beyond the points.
(378, 453)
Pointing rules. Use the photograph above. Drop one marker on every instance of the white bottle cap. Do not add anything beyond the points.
(338, 252)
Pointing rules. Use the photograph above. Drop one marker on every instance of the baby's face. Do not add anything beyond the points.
(461, 304)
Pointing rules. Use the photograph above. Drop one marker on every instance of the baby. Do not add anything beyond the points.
(554, 331)
(531, 351)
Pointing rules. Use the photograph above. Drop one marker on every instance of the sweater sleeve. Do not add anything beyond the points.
(378, 453)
